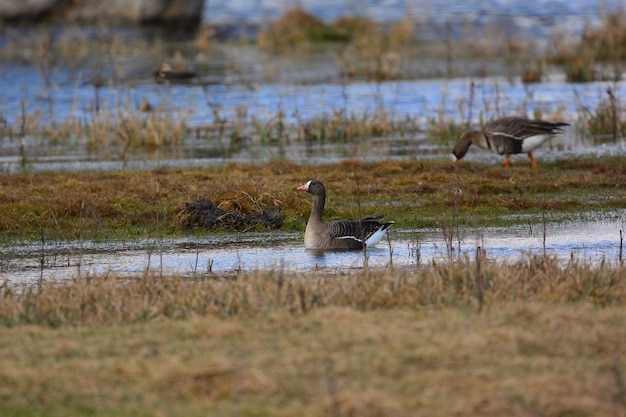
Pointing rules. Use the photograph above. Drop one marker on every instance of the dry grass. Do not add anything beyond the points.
(598, 54)
(367, 49)
(549, 341)
(116, 130)
(295, 31)
(122, 128)
(108, 301)
(607, 121)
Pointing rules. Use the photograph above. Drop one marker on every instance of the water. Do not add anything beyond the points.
(417, 99)
(242, 86)
(529, 18)
(258, 89)
(592, 242)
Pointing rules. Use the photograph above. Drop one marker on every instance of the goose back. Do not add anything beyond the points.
(508, 136)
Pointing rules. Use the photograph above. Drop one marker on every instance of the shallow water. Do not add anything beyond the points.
(536, 18)
(237, 80)
(223, 255)
(300, 90)
(417, 99)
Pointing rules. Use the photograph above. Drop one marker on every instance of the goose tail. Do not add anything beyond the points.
(376, 236)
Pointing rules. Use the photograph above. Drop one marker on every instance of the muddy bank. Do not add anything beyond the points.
(177, 13)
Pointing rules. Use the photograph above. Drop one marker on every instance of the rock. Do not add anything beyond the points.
(29, 10)
(179, 13)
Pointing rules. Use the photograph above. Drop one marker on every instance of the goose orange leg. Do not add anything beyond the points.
(507, 162)
(532, 160)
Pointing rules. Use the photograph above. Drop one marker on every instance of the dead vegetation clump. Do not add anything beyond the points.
(340, 127)
(607, 121)
(294, 32)
(366, 48)
(240, 214)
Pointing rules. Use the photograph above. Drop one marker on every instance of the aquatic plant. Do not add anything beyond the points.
(532, 71)
(607, 121)
(599, 52)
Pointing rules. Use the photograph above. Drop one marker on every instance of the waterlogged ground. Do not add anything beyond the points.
(208, 256)
(256, 91)
(420, 100)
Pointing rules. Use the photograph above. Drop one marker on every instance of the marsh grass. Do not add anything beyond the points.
(124, 204)
(295, 31)
(375, 342)
(93, 50)
(108, 300)
(598, 54)
(533, 71)
(365, 50)
(123, 128)
(607, 121)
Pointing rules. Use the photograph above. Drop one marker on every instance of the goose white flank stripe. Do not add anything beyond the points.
(340, 234)
(508, 136)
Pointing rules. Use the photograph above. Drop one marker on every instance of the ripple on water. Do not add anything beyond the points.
(589, 241)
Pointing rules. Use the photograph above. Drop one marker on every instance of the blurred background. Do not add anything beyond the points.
(161, 83)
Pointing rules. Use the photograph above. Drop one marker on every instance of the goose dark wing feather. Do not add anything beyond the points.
(360, 231)
(519, 128)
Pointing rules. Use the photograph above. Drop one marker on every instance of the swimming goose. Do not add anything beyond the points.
(340, 234)
(508, 136)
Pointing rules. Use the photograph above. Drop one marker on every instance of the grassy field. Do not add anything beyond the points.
(533, 337)
(515, 359)
(538, 336)
(413, 193)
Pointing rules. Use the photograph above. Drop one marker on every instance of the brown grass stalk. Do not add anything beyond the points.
(109, 300)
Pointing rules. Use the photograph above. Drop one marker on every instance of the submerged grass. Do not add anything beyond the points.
(126, 205)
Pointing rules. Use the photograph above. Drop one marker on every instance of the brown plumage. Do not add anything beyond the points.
(340, 234)
(508, 136)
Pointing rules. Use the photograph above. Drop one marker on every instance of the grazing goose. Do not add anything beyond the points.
(340, 234)
(508, 136)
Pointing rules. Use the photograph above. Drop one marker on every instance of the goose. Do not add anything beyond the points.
(340, 234)
(508, 136)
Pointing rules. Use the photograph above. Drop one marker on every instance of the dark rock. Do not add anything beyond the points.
(205, 213)
(30, 11)
(184, 14)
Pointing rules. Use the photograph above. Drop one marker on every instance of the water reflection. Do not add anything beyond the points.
(590, 241)
(415, 100)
